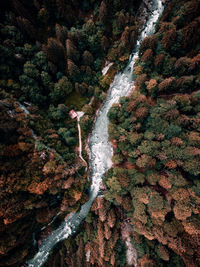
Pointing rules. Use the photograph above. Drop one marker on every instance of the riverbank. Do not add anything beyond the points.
(100, 158)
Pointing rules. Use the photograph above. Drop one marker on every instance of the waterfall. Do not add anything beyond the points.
(100, 149)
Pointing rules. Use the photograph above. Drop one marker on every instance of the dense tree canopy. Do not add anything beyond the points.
(52, 55)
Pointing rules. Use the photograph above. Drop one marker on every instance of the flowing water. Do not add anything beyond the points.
(100, 149)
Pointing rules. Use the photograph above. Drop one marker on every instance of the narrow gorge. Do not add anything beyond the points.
(100, 153)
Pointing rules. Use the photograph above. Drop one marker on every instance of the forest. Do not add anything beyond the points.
(52, 56)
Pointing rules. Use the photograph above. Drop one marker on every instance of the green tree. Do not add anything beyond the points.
(61, 90)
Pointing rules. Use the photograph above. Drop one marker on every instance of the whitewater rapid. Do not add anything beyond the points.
(100, 149)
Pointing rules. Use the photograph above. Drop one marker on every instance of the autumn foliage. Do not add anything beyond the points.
(158, 136)
(52, 54)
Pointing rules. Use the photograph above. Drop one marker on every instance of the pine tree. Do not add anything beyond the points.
(71, 50)
(54, 50)
(87, 58)
(61, 33)
(102, 12)
(27, 27)
(72, 68)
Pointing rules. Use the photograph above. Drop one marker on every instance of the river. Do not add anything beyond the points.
(100, 149)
